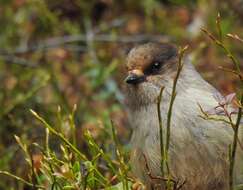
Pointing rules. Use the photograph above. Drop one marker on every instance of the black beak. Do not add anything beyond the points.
(134, 79)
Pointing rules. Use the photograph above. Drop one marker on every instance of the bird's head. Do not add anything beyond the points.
(150, 66)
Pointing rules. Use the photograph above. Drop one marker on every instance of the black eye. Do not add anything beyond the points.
(154, 68)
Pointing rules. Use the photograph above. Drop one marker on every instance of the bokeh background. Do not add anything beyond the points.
(55, 54)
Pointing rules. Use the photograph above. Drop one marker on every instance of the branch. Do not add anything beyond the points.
(62, 40)
(176, 184)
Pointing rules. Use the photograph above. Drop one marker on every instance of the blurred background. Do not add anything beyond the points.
(55, 54)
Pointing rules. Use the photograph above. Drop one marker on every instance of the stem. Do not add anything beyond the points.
(218, 23)
(53, 131)
(234, 146)
(161, 132)
(72, 125)
(21, 179)
(173, 95)
(120, 157)
(228, 53)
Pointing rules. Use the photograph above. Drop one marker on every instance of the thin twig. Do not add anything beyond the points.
(176, 184)
(162, 152)
(232, 71)
(235, 37)
(60, 41)
(227, 52)
(21, 180)
(234, 146)
(173, 95)
(207, 117)
(12, 59)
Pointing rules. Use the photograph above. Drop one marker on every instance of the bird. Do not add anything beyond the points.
(198, 153)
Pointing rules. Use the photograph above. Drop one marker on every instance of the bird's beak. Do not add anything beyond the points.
(135, 76)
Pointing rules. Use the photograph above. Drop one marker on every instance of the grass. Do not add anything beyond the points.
(70, 168)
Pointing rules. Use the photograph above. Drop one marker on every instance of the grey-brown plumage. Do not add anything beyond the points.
(198, 150)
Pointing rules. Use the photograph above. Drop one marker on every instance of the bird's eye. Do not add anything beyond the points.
(156, 66)
(153, 68)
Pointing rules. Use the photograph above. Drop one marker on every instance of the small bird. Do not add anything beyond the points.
(199, 148)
